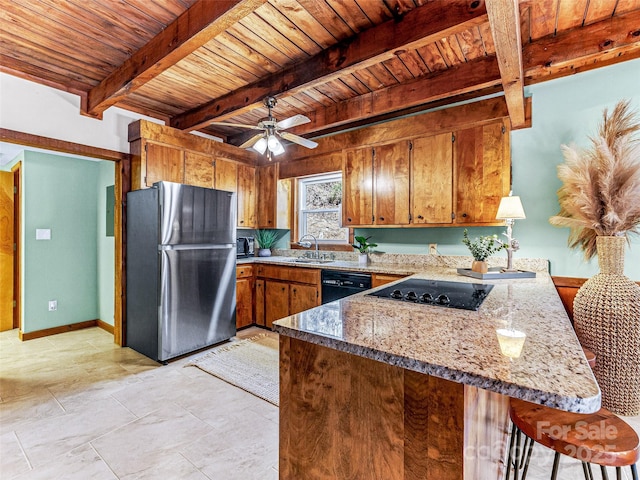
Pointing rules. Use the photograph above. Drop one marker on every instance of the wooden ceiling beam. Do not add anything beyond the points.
(583, 48)
(464, 78)
(420, 26)
(196, 26)
(504, 20)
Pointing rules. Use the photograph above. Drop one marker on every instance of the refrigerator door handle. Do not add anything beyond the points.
(217, 246)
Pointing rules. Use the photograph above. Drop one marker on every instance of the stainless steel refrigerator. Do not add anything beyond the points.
(181, 269)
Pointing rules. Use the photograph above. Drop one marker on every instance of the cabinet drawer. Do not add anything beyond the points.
(378, 279)
(244, 271)
(291, 274)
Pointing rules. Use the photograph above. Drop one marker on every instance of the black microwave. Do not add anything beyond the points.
(245, 247)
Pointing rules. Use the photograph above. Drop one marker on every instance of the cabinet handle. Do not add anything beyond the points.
(241, 221)
(349, 219)
(382, 218)
(294, 290)
(464, 215)
(420, 217)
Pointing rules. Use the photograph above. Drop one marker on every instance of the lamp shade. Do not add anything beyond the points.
(510, 207)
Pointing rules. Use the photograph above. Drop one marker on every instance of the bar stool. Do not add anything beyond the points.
(600, 438)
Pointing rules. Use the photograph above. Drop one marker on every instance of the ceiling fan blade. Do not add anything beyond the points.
(297, 139)
(251, 142)
(240, 125)
(292, 122)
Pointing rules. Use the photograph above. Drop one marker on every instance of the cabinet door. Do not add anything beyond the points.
(163, 163)
(226, 175)
(302, 297)
(276, 301)
(482, 172)
(246, 196)
(357, 187)
(244, 302)
(391, 184)
(432, 179)
(198, 169)
(260, 306)
(267, 179)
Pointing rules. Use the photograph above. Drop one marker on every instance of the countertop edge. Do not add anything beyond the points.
(561, 402)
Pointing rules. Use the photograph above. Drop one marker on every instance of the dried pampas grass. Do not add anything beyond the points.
(600, 194)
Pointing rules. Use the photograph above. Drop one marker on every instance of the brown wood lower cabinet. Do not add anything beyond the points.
(283, 291)
(378, 279)
(244, 296)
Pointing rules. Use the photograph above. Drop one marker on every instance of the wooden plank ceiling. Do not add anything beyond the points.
(342, 63)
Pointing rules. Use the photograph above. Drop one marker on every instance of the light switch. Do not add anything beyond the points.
(43, 234)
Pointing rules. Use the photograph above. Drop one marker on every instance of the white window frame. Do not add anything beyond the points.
(302, 200)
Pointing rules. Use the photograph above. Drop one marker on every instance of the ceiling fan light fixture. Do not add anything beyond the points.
(273, 142)
(279, 149)
(260, 146)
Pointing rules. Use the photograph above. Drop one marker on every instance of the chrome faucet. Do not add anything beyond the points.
(308, 244)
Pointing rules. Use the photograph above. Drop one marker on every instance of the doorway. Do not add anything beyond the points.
(6, 251)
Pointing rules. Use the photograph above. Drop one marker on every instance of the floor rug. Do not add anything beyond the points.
(250, 364)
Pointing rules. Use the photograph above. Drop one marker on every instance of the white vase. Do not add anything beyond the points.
(264, 252)
(363, 259)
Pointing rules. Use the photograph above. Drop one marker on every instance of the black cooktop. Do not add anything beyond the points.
(466, 296)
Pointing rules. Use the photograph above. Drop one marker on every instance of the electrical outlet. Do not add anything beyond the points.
(433, 249)
(53, 305)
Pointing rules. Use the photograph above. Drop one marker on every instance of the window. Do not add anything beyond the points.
(319, 208)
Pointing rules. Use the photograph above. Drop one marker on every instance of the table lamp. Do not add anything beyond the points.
(509, 210)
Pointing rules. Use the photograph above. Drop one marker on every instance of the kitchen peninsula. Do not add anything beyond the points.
(379, 389)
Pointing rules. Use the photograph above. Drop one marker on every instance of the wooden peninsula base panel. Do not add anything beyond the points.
(343, 416)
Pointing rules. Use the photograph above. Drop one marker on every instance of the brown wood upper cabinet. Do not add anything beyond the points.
(357, 188)
(482, 172)
(267, 183)
(453, 178)
(391, 184)
(246, 196)
(161, 163)
(432, 179)
(274, 197)
(376, 185)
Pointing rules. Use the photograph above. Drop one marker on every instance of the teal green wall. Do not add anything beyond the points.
(60, 194)
(105, 245)
(565, 111)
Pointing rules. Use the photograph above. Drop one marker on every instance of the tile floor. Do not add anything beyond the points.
(75, 406)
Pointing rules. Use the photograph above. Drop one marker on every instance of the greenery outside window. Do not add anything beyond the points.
(319, 208)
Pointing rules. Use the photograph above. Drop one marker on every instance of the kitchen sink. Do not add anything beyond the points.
(312, 260)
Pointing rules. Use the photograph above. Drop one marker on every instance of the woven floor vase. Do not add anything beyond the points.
(606, 314)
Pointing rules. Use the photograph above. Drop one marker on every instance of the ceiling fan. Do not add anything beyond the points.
(267, 140)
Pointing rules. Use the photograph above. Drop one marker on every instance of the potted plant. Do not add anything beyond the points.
(600, 203)
(266, 239)
(482, 248)
(361, 244)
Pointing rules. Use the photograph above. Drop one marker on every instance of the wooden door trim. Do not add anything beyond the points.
(122, 186)
(17, 260)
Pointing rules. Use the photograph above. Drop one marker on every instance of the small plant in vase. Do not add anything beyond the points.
(361, 244)
(482, 248)
(266, 239)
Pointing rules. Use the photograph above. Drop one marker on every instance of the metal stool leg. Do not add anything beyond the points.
(618, 473)
(510, 456)
(603, 471)
(516, 458)
(556, 461)
(634, 472)
(526, 463)
(587, 472)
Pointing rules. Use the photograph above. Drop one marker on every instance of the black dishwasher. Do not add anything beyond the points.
(337, 284)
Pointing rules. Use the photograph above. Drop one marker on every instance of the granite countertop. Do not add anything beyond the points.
(462, 345)
(344, 265)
